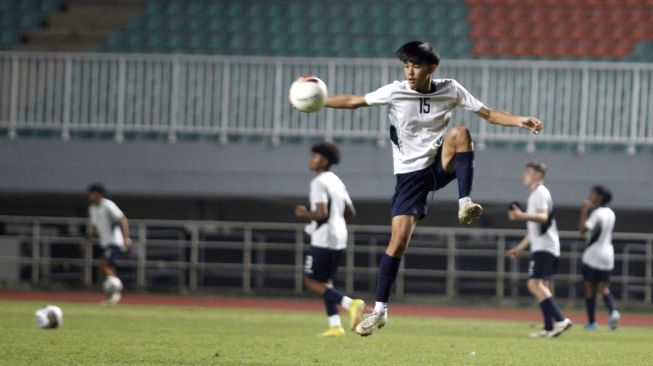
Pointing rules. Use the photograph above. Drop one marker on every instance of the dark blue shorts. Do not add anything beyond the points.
(543, 265)
(593, 275)
(412, 189)
(321, 263)
(110, 253)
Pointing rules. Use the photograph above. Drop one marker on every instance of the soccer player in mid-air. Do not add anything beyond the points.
(426, 157)
(330, 205)
(598, 258)
(109, 223)
(543, 237)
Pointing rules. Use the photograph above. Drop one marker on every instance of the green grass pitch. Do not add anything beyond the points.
(156, 335)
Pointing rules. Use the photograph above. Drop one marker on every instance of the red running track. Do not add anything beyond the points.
(634, 319)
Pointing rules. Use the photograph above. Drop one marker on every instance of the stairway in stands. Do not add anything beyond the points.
(84, 25)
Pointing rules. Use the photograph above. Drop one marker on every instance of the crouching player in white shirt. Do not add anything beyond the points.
(542, 235)
(110, 224)
(598, 258)
(330, 204)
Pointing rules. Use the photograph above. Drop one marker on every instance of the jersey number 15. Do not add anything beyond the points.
(424, 106)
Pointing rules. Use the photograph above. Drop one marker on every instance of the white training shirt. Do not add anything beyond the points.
(420, 119)
(600, 253)
(331, 233)
(540, 200)
(105, 217)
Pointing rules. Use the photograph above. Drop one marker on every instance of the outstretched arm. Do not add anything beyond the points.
(345, 101)
(502, 118)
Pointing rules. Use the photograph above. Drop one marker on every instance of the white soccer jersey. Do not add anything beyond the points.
(600, 252)
(543, 236)
(330, 233)
(105, 217)
(419, 121)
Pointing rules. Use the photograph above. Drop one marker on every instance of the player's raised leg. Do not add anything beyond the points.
(458, 157)
(402, 230)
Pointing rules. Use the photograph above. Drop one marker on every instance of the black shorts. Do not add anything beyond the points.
(543, 265)
(593, 275)
(412, 189)
(321, 263)
(110, 253)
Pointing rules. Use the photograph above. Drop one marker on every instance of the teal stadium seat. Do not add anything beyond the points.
(363, 28)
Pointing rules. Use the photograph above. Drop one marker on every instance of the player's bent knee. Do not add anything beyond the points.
(461, 133)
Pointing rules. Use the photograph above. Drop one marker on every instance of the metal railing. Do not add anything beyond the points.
(268, 257)
(134, 95)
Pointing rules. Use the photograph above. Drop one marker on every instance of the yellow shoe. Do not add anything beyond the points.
(356, 309)
(334, 332)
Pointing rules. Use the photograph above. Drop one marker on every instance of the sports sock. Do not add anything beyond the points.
(548, 320)
(609, 302)
(333, 295)
(381, 307)
(590, 306)
(331, 307)
(334, 321)
(345, 302)
(464, 165)
(552, 308)
(388, 268)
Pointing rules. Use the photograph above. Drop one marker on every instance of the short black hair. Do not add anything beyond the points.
(606, 195)
(418, 52)
(538, 166)
(329, 150)
(97, 188)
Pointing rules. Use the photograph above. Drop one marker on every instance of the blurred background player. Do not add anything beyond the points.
(330, 205)
(426, 157)
(543, 237)
(110, 224)
(598, 258)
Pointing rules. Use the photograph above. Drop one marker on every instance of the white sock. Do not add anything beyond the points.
(334, 321)
(381, 307)
(346, 301)
(462, 201)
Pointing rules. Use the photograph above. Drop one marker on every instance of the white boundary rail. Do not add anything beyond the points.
(258, 257)
(125, 95)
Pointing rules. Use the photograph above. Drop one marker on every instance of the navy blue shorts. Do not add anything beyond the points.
(543, 265)
(593, 275)
(321, 263)
(110, 253)
(412, 189)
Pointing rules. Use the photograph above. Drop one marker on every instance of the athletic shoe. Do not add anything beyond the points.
(334, 332)
(591, 326)
(561, 326)
(370, 323)
(469, 211)
(356, 309)
(542, 333)
(614, 320)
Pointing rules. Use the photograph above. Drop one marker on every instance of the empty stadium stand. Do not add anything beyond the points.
(63, 25)
(611, 30)
(562, 29)
(293, 28)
